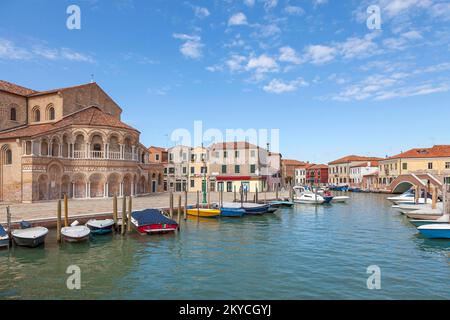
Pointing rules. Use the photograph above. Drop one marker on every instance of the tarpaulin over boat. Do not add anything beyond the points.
(151, 216)
(2, 231)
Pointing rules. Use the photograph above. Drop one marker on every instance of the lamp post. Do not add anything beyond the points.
(204, 178)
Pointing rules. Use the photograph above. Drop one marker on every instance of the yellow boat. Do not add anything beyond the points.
(201, 212)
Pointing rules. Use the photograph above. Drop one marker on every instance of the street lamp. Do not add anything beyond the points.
(204, 177)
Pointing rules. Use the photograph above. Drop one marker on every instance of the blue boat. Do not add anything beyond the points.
(435, 231)
(232, 212)
(100, 227)
(278, 204)
(250, 208)
(4, 238)
(328, 199)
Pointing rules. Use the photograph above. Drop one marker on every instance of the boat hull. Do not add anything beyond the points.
(423, 216)
(256, 210)
(327, 199)
(232, 212)
(419, 223)
(434, 233)
(28, 242)
(75, 239)
(4, 242)
(205, 213)
(100, 228)
(340, 199)
(157, 228)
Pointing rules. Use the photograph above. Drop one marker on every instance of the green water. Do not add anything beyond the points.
(306, 252)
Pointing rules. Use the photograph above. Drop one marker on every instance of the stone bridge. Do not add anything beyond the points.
(406, 181)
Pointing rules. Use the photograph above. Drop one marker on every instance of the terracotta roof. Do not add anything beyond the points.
(39, 93)
(91, 116)
(317, 166)
(14, 88)
(373, 163)
(232, 145)
(290, 162)
(434, 152)
(157, 148)
(353, 158)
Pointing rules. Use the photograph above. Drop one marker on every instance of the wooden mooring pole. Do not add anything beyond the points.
(124, 215)
(66, 210)
(58, 221)
(8, 222)
(115, 210)
(434, 196)
(185, 204)
(171, 205)
(234, 194)
(179, 211)
(130, 210)
(256, 195)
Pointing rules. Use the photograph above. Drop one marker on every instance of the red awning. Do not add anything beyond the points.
(233, 178)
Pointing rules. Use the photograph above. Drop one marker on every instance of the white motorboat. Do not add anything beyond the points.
(435, 231)
(408, 198)
(100, 226)
(29, 237)
(75, 233)
(442, 220)
(303, 195)
(340, 199)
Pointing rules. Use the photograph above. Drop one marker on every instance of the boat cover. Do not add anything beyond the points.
(2, 231)
(25, 225)
(151, 216)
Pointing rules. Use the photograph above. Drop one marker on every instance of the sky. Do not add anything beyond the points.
(322, 72)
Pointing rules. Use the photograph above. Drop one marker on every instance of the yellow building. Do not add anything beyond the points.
(435, 161)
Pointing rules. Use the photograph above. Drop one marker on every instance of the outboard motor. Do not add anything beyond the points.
(25, 225)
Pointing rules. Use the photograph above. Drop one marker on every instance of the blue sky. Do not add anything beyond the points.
(310, 68)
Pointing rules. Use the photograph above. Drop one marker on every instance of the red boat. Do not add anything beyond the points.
(152, 221)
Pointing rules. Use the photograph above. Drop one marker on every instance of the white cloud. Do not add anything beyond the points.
(192, 47)
(262, 64)
(71, 55)
(319, 54)
(294, 10)
(201, 12)
(235, 63)
(319, 2)
(270, 4)
(412, 35)
(441, 11)
(160, 91)
(287, 54)
(279, 86)
(396, 7)
(237, 19)
(358, 47)
(249, 3)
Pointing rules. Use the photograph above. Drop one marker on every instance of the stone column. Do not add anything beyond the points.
(106, 190)
(88, 189)
(73, 189)
(121, 152)
(121, 189)
(106, 150)
(133, 150)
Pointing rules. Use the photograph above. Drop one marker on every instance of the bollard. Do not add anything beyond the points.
(66, 210)
(58, 222)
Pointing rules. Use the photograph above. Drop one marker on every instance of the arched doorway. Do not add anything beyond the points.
(43, 187)
(97, 185)
(79, 186)
(127, 181)
(55, 173)
(113, 185)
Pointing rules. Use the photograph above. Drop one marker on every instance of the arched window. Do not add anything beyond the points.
(13, 115)
(51, 113)
(8, 156)
(36, 115)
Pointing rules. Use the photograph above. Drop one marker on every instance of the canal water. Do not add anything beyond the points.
(306, 252)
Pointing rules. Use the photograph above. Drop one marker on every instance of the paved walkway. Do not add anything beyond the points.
(47, 210)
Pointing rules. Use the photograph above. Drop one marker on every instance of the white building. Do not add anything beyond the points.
(358, 171)
(300, 176)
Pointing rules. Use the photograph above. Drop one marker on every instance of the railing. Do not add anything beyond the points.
(93, 154)
(79, 154)
(114, 155)
(97, 154)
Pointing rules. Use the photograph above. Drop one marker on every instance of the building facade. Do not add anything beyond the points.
(359, 171)
(69, 141)
(317, 174)
(288, 167)
(339, 170)
(434, 160)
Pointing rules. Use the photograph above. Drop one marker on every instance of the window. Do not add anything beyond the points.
(171, 170)
(447, 165)
(171, 156)
(192, 170)
(225, 154)
(237, 169)
(8, 157)
(192, 183)
(252, 168)
(157, 157)
(253, 153)
(236, 154)
(224, 168)
(430, 165)
(51, 113)
(13, 115)
(37, 115)
(165, 170)
(184, 170)
(447, 180)
(184, 156)
(404, 166)
(204, 170)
